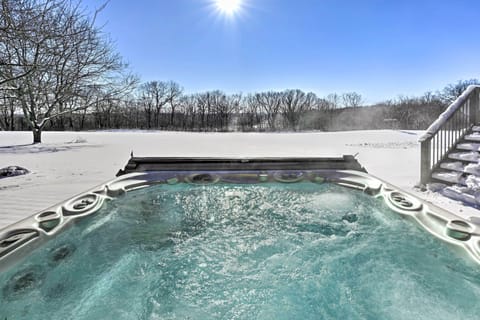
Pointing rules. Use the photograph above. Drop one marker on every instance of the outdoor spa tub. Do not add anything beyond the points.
(176, 238)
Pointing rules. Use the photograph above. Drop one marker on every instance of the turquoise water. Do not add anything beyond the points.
(268, 251)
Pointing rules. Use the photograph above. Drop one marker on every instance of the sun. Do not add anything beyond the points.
(229, 7)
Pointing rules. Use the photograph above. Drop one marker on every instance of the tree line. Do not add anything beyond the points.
(59, 71)
(163, 105)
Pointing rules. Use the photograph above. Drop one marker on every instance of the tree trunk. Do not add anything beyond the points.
(82, 121)
(12, 120)
(37, 135)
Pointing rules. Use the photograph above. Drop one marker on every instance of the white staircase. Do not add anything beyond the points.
(451, 150)
(462, 162)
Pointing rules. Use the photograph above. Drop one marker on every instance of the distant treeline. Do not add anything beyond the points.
(163, 106)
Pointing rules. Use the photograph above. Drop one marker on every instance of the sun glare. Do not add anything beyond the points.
(228, 7)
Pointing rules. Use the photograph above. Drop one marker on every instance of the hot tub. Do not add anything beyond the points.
(241, 239)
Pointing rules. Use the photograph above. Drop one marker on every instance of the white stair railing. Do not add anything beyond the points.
(450, 127)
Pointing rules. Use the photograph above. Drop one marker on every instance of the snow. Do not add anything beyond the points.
(465, 156)
(454, 166)
(469, 146)
(473, 136)
(459, 193)
(473, 183)
(453, 177)
(473, 168)
(68, 163)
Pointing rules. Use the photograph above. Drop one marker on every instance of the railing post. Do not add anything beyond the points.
(425, 156)
(474, 107)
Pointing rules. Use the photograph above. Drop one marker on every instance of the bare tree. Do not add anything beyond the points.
(294, 104)
(453, 91)
(58, 52)
(269, 103)
(233, 106)
(173, 93)
(250, 115)
(405, 110)
(352, 100)
(333, 100)
(155, 96)
(12, 66)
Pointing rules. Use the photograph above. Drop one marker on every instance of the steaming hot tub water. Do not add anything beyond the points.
(229, 251)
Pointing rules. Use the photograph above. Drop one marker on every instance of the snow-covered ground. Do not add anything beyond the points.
(68, 163)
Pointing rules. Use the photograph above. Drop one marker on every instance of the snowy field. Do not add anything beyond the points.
(68, 163)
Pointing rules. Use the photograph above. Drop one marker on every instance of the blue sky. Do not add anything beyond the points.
(379, 48)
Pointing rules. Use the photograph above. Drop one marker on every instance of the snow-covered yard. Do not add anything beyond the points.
(68, 163)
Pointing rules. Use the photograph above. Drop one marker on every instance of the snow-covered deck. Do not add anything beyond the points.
(68, 163)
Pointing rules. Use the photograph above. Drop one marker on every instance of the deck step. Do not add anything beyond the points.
(471, 156)
(475, 136)
(461, 170)
(460, 193)
(450, 177)
(458, 166)
(471, 146)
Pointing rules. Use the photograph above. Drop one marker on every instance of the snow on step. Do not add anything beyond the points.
(476, 128)
(462, 194)
(451, 177)
(475, 136)
(469, 146)
(454, 166)
(473, 183)
(465, 156)
(471, 168)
